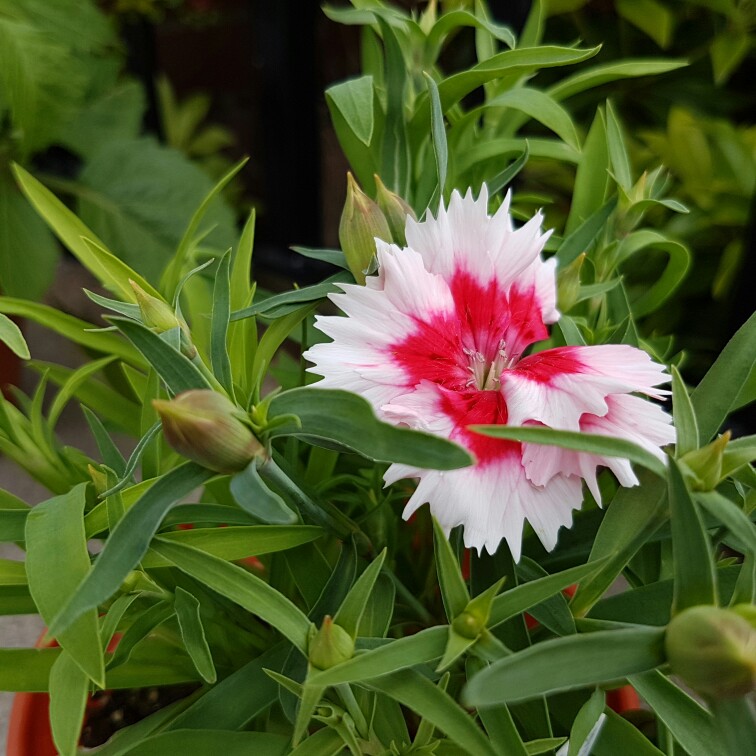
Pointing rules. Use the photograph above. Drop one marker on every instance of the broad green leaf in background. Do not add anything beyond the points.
(75, 330)
(92, 253)
(567, 663)
(28, 250)
(347, 419)
(541, 107)
(354, 100)
(650, 17)
(608, 72)
(716, 394)
(11, 336)
(128, 543)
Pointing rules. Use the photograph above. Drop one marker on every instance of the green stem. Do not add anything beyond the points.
(423, 614)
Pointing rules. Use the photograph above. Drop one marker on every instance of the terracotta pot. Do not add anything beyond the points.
(29, 729)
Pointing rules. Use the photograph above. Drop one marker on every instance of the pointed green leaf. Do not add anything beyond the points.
(352, 607)
(83, 243)
(585, 721)
(695, 580)
(221, 315)
(173, 367)
(354, 100)
(241, 587)
(420, 648)
(716, 394)
(567, 663)
(453, 589)
(730, 515)
(69, 691)
(128, 543)
(438, 135)
(347, 419)
(456, 645)
(252, 494)
(690, 724)
(11, 336)
(193, 633)
(57, 562)
(686, 426)
(586, 442)
(434, 705)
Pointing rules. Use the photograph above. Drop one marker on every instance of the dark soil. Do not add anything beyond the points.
(110, 710)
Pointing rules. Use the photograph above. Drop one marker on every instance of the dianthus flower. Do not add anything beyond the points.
(437, 341)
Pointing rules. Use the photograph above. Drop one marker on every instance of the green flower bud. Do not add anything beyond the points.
(207, 428)
(713, 650)
(747, 612)
(155, 313)
(705, 464)
(568, 284)
(395, 209)
(99, 479)
(361, 222)
(468, 624)
(160, 316)
(329, 646)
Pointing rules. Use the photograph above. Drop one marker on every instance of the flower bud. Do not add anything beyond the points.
(206, 427)
(361, 222)
(705, 464)
(99, 479)
(747, 612)
(155, 313)
(568, 284)
(395, 209)
(329, 646)
(468, 625)
(713, 650)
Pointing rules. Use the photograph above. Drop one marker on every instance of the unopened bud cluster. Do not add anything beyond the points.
(364, 220)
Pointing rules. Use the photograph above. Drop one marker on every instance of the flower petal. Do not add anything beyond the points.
(493, 501)
(558, 386)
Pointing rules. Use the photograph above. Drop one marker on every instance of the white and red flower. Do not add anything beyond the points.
(435, 341)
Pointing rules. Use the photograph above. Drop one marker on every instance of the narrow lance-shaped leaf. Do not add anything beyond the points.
(348, 420)
(695, 580)
(241, 587)
(453, 589)
(438, 134)
(352, 607)
(221, 315)
(686, 426)
(565, 664)
(129, 542)
(716, 394)
(11, 336)
(585, 442)
(57, 562)
(252, 494)
(190, 623)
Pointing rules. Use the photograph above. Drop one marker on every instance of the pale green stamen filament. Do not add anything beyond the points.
(485, 374)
